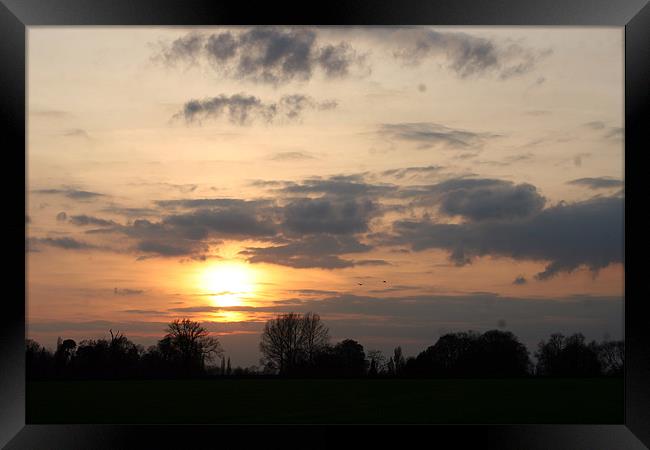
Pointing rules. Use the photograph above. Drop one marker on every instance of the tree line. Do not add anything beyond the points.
(295, 345)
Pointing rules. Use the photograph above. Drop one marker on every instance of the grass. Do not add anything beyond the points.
(596, 401)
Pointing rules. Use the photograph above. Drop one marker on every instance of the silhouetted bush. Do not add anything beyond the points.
(468, 354)
(345, 359)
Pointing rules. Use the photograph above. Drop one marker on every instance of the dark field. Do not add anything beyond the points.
(328, 401)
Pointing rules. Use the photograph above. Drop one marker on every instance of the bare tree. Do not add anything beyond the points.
(291, 339)
(315, 335)
(190, 343)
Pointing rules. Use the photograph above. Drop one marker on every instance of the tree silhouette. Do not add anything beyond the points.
(377, 362)
(568, 356)
(290, 341)
(315, 335)
(345, 359)
(39, 362)
(494, 353)
(298, 345)
(188, 346)
(65, 350)
(612, 357)
(398, 361)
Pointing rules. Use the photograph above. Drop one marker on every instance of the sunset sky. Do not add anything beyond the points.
(401, 182)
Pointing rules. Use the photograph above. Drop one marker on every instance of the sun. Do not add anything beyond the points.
(228, 283)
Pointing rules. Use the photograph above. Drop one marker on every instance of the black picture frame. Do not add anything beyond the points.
(17, 15)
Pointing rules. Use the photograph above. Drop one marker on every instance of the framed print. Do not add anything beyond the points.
(252, 222)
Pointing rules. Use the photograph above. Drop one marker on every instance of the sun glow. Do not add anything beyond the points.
(228, 283)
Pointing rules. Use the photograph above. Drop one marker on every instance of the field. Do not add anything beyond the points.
(327, 401)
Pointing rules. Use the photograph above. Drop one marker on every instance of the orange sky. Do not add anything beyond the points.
(401, 182)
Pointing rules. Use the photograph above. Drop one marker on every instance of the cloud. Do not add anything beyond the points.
(231, 222)
(328, 215)
(479, 199)
(610, 132)
(428, 134)
(214, 203)
(520, 280)
(309, 252)
(164, 248)
(83, 220)
(467, 56)
(597, 182)
(127, 292)
(567, 236)
(615, 133)
(131, 212)
(411, 171)
(65, 243)
(595, 125)
(77, 132)
(143, 311)
(291, 156)
(271, 55)
(203, 222)
(338, 185)
(243, 109)
(74, 194)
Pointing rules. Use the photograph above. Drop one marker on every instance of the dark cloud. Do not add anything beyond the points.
(127, 292)
(309, 252)
(64, 243)
(484, 198)
(224, 222)
(466, 55)
(131, 212)
(203, 222)
(339, 185)
(164, 248)
(520, 280)
(74, 194)
(270, 55)
(412, 171)
(214, 203)
(372, 262)
(83, 220)
(428, 134)
(328, 215)
(242, 109)
(186, 48)
(597, 182)
(568, 236)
